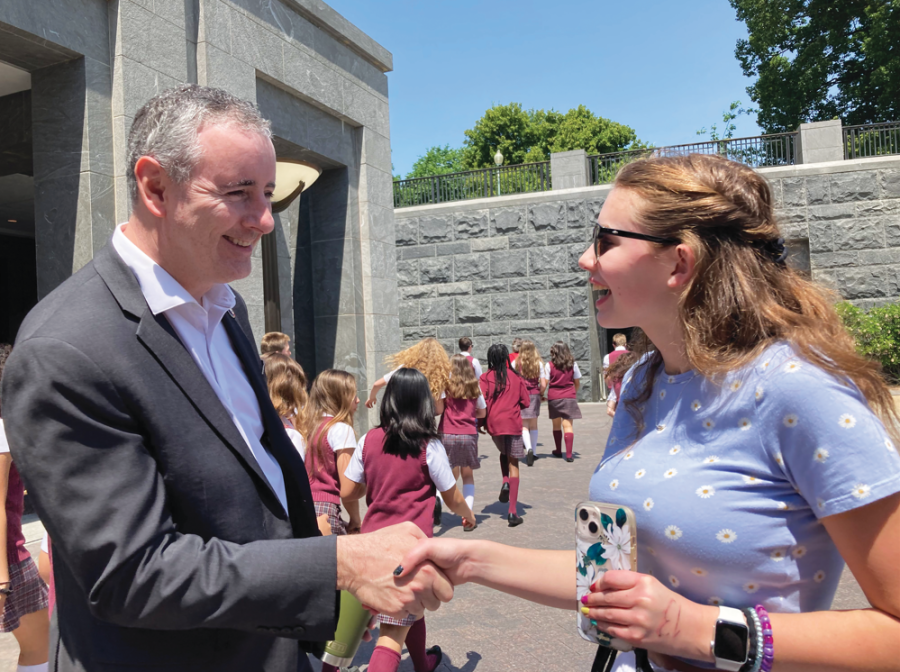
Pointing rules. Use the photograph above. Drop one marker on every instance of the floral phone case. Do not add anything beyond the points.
(605, 538)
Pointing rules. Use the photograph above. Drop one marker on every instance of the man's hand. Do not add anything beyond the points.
(366, 565)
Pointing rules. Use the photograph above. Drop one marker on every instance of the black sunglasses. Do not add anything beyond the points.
(600, 232)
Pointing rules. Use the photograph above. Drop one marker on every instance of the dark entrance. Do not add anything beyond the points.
(18, 283)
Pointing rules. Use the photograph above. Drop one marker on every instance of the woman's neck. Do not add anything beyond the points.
(670, 344)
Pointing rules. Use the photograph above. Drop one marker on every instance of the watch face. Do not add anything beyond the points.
(731, 641)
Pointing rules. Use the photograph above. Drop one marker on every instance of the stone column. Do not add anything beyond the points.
(821, 141)
(569, 170)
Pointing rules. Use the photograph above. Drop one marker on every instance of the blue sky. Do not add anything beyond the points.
(665, 68)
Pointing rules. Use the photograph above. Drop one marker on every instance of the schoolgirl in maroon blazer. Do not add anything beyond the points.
(564, 381)
(505, 395)
(398, 466)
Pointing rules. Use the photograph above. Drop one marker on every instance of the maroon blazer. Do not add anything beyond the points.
(504, 417)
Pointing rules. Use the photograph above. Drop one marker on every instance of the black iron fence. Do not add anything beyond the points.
(871, 140)
(483, 183)
(778, 149)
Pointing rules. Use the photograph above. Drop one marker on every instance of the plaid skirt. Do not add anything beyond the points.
(462, 450)
(511, 446)
(408, 620)
(29, 594)
(564, 408)
(333, 511)
(534, 408)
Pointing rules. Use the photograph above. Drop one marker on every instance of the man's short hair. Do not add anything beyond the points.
(274, 341)
(166, 128)
(620, 340)
(516, 343)
(465, 343)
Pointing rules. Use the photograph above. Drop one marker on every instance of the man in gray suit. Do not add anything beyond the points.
(184, 535)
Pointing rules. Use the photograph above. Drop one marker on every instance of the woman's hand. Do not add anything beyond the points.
(324, 525)
(637, 608)
(611, 408)
(353, 526)
(370, 402)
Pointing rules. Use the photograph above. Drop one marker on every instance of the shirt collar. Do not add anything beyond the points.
(161, 291)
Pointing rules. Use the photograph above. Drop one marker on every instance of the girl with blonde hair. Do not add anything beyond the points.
(427, 356)
(531, 367)
(331, 442)
(758, 449)
(463, 406)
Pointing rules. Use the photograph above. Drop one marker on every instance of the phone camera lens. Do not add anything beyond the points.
(583, 514)
(592, 526)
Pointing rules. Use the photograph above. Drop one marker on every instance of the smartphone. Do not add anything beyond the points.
(605, 538)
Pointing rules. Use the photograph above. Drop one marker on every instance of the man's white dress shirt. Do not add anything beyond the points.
(199, 326)
(475, 363)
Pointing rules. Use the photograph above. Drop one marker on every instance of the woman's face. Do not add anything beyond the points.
(636, 274)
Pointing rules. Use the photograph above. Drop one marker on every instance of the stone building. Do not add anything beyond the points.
(74, 72)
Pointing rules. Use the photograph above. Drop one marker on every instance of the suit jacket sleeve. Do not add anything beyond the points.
(98, 488)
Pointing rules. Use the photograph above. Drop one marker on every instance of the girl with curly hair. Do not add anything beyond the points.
(427, 356)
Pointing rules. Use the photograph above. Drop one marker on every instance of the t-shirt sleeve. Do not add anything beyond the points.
(45, 542)
(354, 470)
(545, 371)
(298, 441)
(477, 366)
(822, 434)
(340, 436)
(480, 402)
(576, 373)
(387, 376)
(439, 466)
(4, 444)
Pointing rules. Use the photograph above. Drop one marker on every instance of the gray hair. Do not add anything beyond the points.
(166, 128)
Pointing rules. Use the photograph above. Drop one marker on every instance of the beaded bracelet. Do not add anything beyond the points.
(754, 624)
(768, 650)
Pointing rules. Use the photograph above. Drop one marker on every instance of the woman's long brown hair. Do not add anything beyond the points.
(332, 393)
(740, 299)
(463, 382)
(287, 387)
(528, 363)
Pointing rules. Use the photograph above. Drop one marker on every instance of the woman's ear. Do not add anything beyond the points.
(685, 265)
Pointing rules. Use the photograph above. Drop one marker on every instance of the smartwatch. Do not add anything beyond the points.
(730, 645)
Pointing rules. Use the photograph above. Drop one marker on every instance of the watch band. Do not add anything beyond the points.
(735, 617)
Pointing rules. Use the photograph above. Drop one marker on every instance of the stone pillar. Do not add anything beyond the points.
(569, 170)
(820, 141)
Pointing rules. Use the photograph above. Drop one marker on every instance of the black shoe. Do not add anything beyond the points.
(504, 494)
(435, 651)
(557, 453)
(529, 458)
(437, 511)
(570, 459)
(514, 520)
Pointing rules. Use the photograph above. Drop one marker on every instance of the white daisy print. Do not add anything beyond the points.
(648, 504)
(628, 455)
(792, 367)
(670, 473)
(798, 551)
(662, 394)
(759, 392)
(715, 601)
(750, 587)
(705, 491)
(791, 420)
(782, 506)
(673, 532)
(614, 484)
(821, 455)
(697, 571)
(735, 386)
(696, 405)
(712, 459)
(726, 536)
(820, 503)
(847, 421)
(674, 450)
(671, 379)
(709, 423)
(674, 581)
(751, 480)
(745, 424)
(779, 459)
(766, 365)
(889, 444)
(819, 576)
(777, 555)
(640, 473)
(861, 490)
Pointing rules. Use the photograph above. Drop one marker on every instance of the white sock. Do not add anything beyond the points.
(440, 499)
(534, 440)
(469, 495)
(40, 667)
(526, 438)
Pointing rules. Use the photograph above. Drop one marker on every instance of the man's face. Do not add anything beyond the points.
(217, 217)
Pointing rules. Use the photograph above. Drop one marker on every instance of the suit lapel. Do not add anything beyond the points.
(159, 337)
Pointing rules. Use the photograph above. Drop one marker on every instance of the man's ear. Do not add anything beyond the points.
(152, 184)
(685, 264)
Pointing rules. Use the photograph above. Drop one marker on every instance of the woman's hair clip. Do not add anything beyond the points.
(776, 250)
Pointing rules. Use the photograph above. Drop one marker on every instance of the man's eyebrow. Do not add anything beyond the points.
(245, 183)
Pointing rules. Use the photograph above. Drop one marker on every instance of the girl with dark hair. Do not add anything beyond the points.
(23, 594)
(398, 466)
(505, 395)
(564, 381)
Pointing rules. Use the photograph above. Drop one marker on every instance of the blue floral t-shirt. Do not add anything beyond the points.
(729, 481)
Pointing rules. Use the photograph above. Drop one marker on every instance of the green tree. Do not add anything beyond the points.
(819, 59)
(505, 127)
(580, 129)
(728, 116)
(437, 160)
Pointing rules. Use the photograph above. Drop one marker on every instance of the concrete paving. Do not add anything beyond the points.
(491, 632)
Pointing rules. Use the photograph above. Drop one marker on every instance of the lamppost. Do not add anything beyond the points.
(498, 161)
